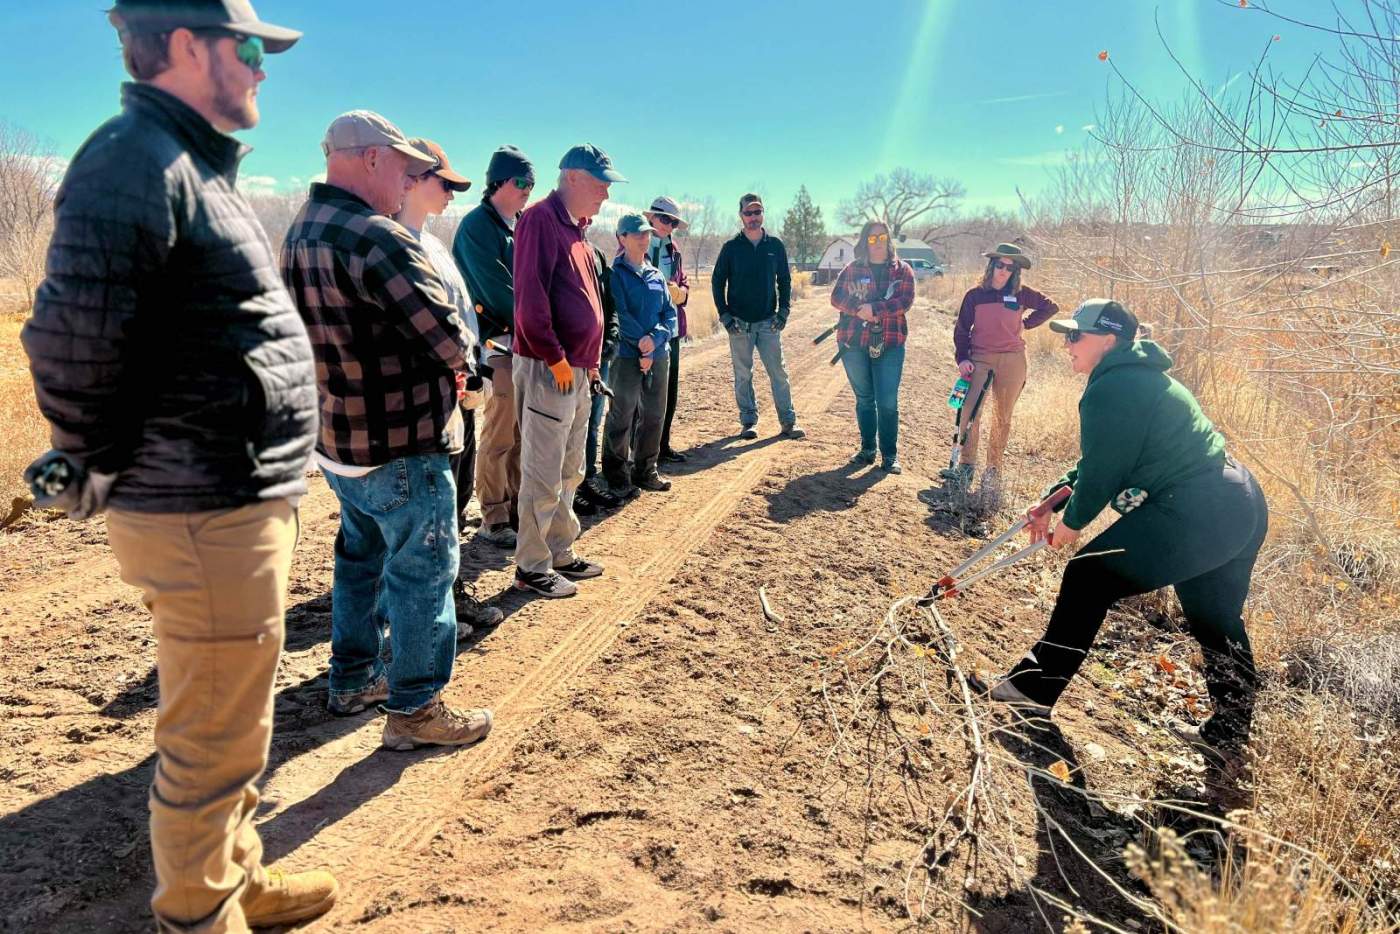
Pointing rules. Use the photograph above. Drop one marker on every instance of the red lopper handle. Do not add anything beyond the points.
(1050, 502)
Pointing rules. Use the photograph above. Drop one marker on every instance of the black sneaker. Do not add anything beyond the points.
(672, 457)
(593, 492)
(654, 483)
(584, 507)
(748, 433)
(891, 466)
(580, 570)
(546, 584)
(623, 491)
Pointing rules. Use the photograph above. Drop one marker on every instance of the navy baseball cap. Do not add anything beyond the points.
(1099, 316)
(592, 160)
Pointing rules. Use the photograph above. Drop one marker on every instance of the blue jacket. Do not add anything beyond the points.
(643, 307)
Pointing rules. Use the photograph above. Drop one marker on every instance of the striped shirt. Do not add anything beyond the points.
(386, 336)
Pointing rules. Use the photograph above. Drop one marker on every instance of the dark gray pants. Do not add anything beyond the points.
(631, 454)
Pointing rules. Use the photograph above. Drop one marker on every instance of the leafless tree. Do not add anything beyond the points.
(29, 177)
(903, 199)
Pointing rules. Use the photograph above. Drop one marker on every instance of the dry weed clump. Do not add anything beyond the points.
(24, 429)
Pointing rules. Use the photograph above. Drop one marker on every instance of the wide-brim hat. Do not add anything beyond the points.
(669, 208)
(443, 169)
(1012, 252)
(1099, 316)
(155, 16)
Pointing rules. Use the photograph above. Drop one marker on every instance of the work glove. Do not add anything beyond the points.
(965, 369)
(780, 322)
(731, 324)
(59, 481)
(563, 375)
(678, 294)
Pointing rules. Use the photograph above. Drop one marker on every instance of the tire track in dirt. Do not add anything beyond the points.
(398, 825)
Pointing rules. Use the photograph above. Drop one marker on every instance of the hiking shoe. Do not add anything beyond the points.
(593, 491)
(672, 457)
(473, 614)
(863, 457)
(286, 898)
(545, 583)
(584, 507)
(499, 534)
(435, 724)
(748, 433)
(347, 705)
(793, 432)
(654, 483)
(891, 466)
(623, 491)
(579, 569)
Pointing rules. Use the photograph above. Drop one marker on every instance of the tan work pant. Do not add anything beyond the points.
(498, 451)
(216, 585)
(1010, 369)
(553, 432)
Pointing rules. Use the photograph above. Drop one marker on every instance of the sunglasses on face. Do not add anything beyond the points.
(247, 49)
(754, 213)
(1003, 264)
(877, 238)
(668, 221)
(1072, 337)
(524, 184)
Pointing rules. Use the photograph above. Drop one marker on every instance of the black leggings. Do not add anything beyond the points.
(1201, 537)
(673, 387)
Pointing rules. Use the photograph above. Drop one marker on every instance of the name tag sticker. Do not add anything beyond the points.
(656, 286)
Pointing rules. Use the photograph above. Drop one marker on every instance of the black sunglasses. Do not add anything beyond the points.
(758, 213)
(1072, 337)
(1000, 264)
(668, 221)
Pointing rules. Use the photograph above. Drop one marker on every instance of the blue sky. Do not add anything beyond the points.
(694, 99)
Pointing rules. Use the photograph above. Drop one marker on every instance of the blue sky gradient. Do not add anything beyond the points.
(689, 99)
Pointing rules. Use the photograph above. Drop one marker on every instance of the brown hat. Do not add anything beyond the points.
(1012, 252)
(442, 169)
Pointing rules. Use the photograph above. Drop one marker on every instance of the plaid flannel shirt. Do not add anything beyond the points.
(385, 333)
(887, 289)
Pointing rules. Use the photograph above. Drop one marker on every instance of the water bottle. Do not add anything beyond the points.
(958, 396)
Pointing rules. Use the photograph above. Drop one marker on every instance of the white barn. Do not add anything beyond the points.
(842, 250)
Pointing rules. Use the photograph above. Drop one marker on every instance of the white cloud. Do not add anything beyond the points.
(1059, 129)
(258, 184)
(1089, 126)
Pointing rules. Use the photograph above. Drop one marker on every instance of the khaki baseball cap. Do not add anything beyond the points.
(360, 128)
(441, 168)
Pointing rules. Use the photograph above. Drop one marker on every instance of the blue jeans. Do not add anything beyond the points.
(876, 385)
(765, 336)
(595, 422)
(395, 561)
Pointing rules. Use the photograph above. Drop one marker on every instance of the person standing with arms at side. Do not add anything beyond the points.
(874, 294)
(646, 319)
(558, 343)
(389, 347)
(177, 377)
(752, 287)
(665, 218)
(428, 195)
(988, 337)
(484, 248)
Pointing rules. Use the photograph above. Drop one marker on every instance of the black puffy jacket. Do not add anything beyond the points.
(164, 346)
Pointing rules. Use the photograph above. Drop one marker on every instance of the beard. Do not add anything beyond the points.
(231, 102)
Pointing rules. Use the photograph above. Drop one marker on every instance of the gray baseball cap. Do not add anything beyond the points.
(592, 160)
(633, 224)
(155, 16)
(359, 128)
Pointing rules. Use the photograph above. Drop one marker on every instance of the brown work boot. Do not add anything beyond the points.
(286, 898)
(435, 724)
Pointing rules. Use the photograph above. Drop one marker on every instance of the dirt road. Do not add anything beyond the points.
(656, 764)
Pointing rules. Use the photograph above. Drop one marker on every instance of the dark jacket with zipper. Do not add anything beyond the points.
(752, 281)
(484, 248)
(163, 345)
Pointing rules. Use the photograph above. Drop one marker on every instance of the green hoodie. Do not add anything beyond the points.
(1138, 428)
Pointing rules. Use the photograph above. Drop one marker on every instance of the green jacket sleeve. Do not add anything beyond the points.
(1111, 437)
(477, 251)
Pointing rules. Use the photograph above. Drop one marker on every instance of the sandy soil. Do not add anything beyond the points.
(660, 761)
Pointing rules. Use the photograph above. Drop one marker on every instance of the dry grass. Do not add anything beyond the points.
(24, 429)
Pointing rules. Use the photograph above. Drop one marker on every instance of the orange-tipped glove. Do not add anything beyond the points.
(678, 294)
(563, 375)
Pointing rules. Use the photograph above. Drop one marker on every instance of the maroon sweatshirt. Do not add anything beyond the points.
(558, 304)
(991, 321)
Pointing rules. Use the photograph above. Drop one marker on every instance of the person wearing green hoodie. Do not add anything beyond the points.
(1191, 517)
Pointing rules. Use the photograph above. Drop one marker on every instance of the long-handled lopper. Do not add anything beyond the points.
(961, 426)
(954, 583)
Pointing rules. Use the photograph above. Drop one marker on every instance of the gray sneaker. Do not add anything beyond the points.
(435, 724)
(347, 705)
(748, 432)
(961, 475)
(499, 534)
(793, 432)
(472, 614)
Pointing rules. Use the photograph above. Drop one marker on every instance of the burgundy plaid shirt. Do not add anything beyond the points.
(887, 289)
